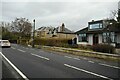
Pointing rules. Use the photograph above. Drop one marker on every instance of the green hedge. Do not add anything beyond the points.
(51, 42)
(105, 48)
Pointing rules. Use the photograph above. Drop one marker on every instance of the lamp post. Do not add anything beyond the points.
(109, 38)
(33, 33)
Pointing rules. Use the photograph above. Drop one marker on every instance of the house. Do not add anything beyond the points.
(98, 32)
(60, 32)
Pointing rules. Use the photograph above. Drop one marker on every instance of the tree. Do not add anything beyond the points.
(118, 18)
(22, 26)
(114, 14)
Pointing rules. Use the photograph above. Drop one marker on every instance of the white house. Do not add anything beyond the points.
(101, 31)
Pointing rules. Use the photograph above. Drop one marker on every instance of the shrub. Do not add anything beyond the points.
(73, 46)
(84, 47)
(105, 48)
(23, 42)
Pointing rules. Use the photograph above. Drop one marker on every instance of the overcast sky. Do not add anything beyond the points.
(75, 14)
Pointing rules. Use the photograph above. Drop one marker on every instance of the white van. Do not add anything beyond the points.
(5, 43)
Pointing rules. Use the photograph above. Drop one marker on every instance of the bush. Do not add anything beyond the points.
(73, 46)
(84, 47)
(23, 42)
(105, 48)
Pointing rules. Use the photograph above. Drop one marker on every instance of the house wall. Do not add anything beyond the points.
(90, 39)
(100, 38)
(65, 36)
(81, 43)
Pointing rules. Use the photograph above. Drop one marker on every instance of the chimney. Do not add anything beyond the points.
(92, 20)
(62, 27)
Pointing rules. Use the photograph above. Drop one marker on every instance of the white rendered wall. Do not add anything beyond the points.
(100, 38)
(90, 39)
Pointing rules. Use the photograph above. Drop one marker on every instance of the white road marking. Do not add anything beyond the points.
(40, 56)
(76, 58)
(87, 71)
(109, 66)
(21, 50)
(91, 61)
(67, 57)
(85, 58)
(12, 47)
(72, 58)
(19, 72)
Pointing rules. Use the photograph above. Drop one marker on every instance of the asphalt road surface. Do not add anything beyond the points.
(37, 63)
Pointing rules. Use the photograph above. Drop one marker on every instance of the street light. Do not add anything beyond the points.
(109, 37)
(33, 33)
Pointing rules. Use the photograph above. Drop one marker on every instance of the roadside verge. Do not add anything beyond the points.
(106, 56)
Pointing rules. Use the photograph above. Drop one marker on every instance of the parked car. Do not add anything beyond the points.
(5, 43)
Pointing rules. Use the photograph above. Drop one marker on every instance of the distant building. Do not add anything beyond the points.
(97, 32)
(52, 32)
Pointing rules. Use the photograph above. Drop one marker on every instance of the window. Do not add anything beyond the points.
(95, 26)
(108, 37)
(82, 38)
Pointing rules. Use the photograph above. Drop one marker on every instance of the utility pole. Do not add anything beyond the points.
(109, 42)
(33, 36)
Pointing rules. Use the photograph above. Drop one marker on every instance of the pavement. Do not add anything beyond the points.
(37, 63)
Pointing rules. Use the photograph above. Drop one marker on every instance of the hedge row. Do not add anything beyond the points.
(105, 48)
(51, 42)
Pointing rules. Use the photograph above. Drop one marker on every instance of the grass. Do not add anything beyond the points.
(86, 54)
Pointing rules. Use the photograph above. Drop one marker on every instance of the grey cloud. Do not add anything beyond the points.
(74, 15)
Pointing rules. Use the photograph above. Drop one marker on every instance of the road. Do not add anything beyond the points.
(37, 63)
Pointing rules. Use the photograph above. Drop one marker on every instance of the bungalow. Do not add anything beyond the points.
(101, 31)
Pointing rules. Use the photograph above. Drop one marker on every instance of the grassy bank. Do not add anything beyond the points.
(105, 56)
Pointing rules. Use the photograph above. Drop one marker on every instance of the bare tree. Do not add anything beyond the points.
(118, 18)
(22, 25)
(113, 14)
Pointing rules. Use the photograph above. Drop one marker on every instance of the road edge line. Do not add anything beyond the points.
(20, 73)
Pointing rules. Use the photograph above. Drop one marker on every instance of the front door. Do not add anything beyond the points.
(95, 39)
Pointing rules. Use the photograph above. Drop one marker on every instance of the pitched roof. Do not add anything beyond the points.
(84, 30)
(66, 30)
(52, 29)
(111, 28)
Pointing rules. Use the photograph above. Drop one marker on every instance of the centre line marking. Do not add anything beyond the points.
(67, 57)
(109, 66)
(87, 72)
(21, 50)
(77, 58)
(91, 61)
(40, 56)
